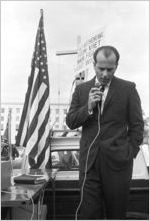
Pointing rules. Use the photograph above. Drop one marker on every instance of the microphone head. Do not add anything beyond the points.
(97, 84)
(100, 86)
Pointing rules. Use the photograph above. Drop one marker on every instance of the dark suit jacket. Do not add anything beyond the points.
(121, 124)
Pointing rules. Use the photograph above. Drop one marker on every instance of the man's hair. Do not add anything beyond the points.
(107, 50)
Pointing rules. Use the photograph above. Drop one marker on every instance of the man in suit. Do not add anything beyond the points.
(112, 130)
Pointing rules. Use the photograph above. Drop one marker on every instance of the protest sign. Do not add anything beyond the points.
(85, 54)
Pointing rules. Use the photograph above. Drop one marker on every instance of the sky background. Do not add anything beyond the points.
(125, 24)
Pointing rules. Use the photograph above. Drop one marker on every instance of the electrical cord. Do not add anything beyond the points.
(32, 207)
(41, 202)
(76, 214)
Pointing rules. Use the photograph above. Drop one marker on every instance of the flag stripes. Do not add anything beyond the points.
(34, 129)
(36, 86)
(41, 131)
(20, 140)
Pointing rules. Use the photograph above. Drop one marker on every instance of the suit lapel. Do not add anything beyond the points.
(110, 94)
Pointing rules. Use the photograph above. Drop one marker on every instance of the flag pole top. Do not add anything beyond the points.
(41, 10)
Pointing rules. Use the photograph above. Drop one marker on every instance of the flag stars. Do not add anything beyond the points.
(41, 63)
(43, 48)
(43, 70)
(44, 77)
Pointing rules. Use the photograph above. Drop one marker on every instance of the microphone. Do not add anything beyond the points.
(97, 84)
(101, 87)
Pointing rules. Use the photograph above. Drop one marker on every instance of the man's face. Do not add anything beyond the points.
(105, 67)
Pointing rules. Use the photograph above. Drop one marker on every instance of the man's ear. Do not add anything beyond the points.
(116, 66)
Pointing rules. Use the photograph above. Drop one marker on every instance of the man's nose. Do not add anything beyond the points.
(105, 72)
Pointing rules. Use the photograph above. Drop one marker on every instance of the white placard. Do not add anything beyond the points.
(85, 53)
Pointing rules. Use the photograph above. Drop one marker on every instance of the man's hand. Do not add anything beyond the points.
(94, 96)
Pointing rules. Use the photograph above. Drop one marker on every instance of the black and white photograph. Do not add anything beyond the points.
(74, 110)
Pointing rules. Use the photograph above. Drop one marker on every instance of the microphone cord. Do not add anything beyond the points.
(98, 132)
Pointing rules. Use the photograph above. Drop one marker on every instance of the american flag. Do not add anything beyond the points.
(34, 128)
